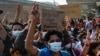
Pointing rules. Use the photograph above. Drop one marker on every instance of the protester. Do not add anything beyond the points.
(76, 38)
(1, 43)
(12, 33)
(52, 38)
(94, 49)
(82, 38)
(95, 32)
(90, 47)
(1, 47)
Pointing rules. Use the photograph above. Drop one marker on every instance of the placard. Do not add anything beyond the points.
(52, 19)
(72, 10)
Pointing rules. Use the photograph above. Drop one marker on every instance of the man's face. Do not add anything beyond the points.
(17, 28)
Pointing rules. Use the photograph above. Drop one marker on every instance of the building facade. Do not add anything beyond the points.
(26, 3)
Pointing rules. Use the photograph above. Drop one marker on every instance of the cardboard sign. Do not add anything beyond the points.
(72, 10)
(52, 19)
(3, 32)
(11, 8)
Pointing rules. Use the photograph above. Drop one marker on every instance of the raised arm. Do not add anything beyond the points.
(66, 23)
(3, 32)
(18, 10)
(86, 45)
(30, 36)
(4, 20)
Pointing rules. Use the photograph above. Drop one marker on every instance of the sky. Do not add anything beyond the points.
(60, 2)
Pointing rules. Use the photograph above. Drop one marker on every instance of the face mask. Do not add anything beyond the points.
(69, 45)
(16, 33)
(43, 34)
(55, 46)
(84, 40)
(72, 29)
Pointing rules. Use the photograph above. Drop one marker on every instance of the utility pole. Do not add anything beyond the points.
(54, 3)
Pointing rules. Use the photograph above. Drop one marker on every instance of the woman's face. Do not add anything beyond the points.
(54, 43)
(97, 49)
(54, 38)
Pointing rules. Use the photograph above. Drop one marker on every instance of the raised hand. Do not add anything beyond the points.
(4, 20)
(35, 11)
(29, 38)
(18, 9)
(6, 15)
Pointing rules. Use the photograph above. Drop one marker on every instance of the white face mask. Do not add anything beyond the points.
(43, 34)
(69, 45)
(55, 46)
(84, 40)
(72, 29)
(16, 33)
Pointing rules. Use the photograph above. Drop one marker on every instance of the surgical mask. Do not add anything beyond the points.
(69, 45)
(72, 29)
(16, 33)
(84, 40)
(43, 34)
(55, 46)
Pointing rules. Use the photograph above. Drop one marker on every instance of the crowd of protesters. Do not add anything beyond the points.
(78, 38)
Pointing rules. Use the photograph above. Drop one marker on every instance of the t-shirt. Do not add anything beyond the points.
(19, 42)
(47, 52)
(8, 44)
(93, 35)
(78, 47)
(89, 26)
(1, 47)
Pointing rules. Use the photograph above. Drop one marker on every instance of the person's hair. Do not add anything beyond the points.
(98, 25)
(66, 37)
(92, 47)
(1, 11)
(17, 23)
(52, 32)
(90, 18)
(14, 50)
(81, 35)
(94, 19)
